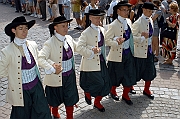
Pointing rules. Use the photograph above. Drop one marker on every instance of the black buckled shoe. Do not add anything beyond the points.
(132, 91)
(100, 109)
(129, 102)
(88, 101)
(151, 96)
(115, 97)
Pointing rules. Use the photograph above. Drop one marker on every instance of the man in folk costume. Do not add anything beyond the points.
(18, 62)
(142, 31)
(94, 77)
(121, 64)
(56, 57)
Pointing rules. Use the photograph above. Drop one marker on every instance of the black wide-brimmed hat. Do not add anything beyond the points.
(149, 5)
(16, 22)
(96, 12)
(58, 20)
(123, 3)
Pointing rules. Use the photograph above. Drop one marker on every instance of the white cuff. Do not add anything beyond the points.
(99, 52)
(50, 71)
(92, 55)
(142, 38)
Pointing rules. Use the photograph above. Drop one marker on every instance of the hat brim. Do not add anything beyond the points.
(8, 28)
(51, 26)
(154, 8)
(101, 14)
(126, 4)
(151, 8)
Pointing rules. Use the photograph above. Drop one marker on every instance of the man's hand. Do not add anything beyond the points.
(58, 68)
(120, 40)
(146, 35)
(96, 50)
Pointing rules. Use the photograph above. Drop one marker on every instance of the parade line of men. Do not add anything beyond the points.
(130, 59)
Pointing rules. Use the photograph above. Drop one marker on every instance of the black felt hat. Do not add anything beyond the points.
(16, 22)
(96, 12)
(149, 5)
(123, 3)
(58, 20)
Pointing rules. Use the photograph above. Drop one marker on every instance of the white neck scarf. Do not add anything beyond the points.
(123, 21)
(146, 18)
(22, 42)
(97, 29)
(62, 39)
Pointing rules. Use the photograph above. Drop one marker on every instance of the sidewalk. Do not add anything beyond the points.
(166, 86)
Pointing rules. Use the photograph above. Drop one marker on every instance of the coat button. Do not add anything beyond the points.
(59, 52)
(19, 93)
(18, 67)
(18, 73)
(59, 76)
(59, 80)
(12, 90)
(60, 46)
(98, 64)
(141, 46)
(96, 36)
(20, 97)
(18, 62)
(117, 49)
(18, 56)
(18, 78)
(59, 62)
(19, 88)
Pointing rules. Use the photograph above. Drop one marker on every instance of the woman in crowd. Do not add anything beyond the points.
(169, 44)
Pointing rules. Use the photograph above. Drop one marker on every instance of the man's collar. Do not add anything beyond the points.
(59, 36)
(121, 19)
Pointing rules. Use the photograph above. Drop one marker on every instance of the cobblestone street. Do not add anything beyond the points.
(165, 87)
